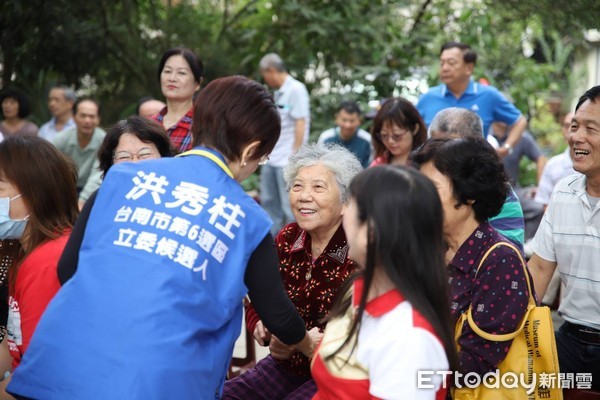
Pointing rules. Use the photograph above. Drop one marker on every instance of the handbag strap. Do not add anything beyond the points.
(530, 306)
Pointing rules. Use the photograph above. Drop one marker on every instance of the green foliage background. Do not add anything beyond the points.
(362, 49)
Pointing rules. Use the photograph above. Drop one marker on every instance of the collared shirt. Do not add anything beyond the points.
(180, 133)
(311, 285)
(569, 235)
(558, 167)
(48, 130)
(359, 144)
(89, 175)
(394, 342)
(498, 294)
(293, 103)
(485, 100)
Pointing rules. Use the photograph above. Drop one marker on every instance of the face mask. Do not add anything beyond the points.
(10, 228)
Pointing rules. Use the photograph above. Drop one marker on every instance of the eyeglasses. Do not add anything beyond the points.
(263, 160)
(394, 137)
(143, 154)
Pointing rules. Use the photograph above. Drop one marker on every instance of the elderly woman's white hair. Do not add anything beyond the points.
(336, 158)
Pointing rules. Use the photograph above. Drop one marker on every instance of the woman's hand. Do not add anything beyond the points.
(316, 336)
(261, 334)
(280, 350)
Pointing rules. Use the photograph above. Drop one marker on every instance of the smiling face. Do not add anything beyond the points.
(86, 117)
(131, 148)
(348, 123)
(584, 140)
(315, 199)
(177, 80)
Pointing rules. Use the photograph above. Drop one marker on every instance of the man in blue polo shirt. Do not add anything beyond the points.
(457, 62)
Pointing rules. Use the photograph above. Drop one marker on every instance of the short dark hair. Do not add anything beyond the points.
(591, 95)
(20, 97)
(146, 130)
(402, 113)
(81, 100)
(404, 218)
(190, 57)
(232, 112)
(349, 106)
(474, 168)
(469, 55)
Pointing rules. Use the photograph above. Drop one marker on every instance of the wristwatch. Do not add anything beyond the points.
(508, 148)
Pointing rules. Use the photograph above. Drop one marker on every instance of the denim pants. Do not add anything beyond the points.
(274, 197)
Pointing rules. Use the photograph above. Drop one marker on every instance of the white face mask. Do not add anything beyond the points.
(10, 228)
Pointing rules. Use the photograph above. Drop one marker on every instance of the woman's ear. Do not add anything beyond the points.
(248, 152)
(417, 127)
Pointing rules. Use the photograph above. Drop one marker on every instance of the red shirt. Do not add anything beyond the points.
(313, 297)
(36, 284)
(180, 133)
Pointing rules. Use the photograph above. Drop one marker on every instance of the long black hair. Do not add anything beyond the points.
(405, 238)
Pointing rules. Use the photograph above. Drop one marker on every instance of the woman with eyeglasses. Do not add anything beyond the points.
(397, 130)
(171, 248)
(132, 139)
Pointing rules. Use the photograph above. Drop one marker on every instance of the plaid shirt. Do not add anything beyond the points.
(180, 133)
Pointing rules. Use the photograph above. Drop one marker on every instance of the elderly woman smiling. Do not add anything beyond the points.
(313, 261)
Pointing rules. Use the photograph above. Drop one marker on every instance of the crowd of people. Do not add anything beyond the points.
(130, 256)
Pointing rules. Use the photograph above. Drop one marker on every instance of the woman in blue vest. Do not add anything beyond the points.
(171, 247)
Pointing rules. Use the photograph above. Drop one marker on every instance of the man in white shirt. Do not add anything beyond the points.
(293, 105)
(60, 104)
(557, 168)
(569, 239)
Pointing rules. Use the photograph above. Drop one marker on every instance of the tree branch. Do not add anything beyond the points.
(234, 18)
(420, 15)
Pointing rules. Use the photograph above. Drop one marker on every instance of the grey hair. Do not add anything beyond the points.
(456, 121)
(344, 165)
(68, 93)
(272, 60)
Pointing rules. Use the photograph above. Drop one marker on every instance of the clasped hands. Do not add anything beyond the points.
(277, 348)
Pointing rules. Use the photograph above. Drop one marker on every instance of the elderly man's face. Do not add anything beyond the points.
(58, 103)
(315, 200)
(269, 76)
(584, 139)
(86, 117)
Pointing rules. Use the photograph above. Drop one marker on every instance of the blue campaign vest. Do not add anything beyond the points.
(155, 307)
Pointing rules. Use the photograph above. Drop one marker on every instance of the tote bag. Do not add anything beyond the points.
(532, 358)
